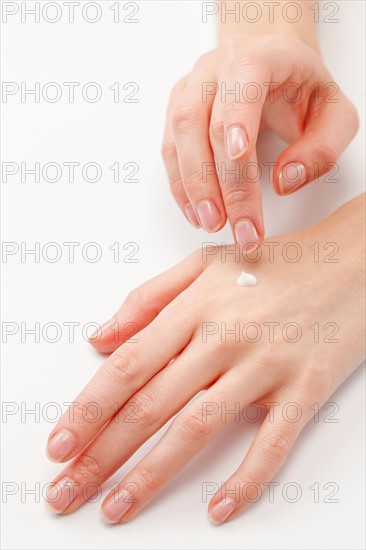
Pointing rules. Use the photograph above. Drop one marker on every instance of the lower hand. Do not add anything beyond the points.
(316, 340)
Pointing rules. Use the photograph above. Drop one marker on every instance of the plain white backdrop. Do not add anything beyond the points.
(152, 53)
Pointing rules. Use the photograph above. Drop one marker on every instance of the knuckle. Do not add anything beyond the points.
(193, 180)
(318, 378)
(215, 344)
(86, 467)
(123, 366)
(141, 298)
(179, 85)
(146, 413)
(147, 478)
(327, 152)
(135, 297)
(235, 112)
(252, 172)
(234, 198)
(184, 118)
(168, 150)
(203, 60)
(354, 119)
(249, 59)
(217, 131)
(176, 188)
(275, 447)
(192, 426)
(195, 261)
(278, 42)
(76, 413)
(231, 43)
(195, 256)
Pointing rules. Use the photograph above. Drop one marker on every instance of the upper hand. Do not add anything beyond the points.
(209, 145)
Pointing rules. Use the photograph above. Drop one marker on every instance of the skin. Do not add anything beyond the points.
(154, 378)
(210, 134)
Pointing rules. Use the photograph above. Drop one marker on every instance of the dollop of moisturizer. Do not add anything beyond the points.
(246, 279)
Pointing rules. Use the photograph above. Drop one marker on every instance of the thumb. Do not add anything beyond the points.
(144, 303)
(330, 128)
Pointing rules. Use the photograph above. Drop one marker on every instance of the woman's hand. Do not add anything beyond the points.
(292, 338)
(248, 83)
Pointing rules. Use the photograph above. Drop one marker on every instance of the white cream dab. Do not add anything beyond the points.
(246, 279)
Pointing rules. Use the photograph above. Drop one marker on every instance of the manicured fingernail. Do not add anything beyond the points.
(208, 215)
(61, 495)
(236, 142)
(222, 511)
(191, 215)
(60, 445)
(291, 177)
(116, 507)
(246, 234)
(101, 331)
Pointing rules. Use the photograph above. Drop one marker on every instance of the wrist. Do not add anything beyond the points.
(295, 19)
(346, 227)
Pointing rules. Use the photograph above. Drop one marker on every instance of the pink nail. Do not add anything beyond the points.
(60, 445)
(236, 142)
(291, 177)
(116, 507)
(191, 215)
(209, 216)
(61, 495)
(246, 234)
(222, 511)
(101, 331)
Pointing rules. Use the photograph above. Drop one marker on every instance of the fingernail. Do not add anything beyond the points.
(222, 511)
(236, 142)
(61, 495)
(208, 215)
(246, 234)
(191, 215)
(60, 445)
(116, 507)
(101, 331)
(291, 177)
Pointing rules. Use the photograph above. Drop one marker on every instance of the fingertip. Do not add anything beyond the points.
(115, 507)
(210, 216)
(236, 142)
(60, 446)
(105, 345)
(101, 331)
(291, 177)
(221, 511)
(191, 216)
(246, 235)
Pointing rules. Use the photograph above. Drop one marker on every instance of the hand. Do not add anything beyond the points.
(317, 315)
(209, 146)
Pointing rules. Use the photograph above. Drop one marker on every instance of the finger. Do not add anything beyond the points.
(240, 187)
(243, 94)
(142, 416)
(190, 127)
(170, 158)
(189, 432)
(330, 128)
(144, 303)
(265, 457)
(128, 369)
(169, 153)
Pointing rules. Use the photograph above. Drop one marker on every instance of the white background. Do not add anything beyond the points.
(153, 53)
